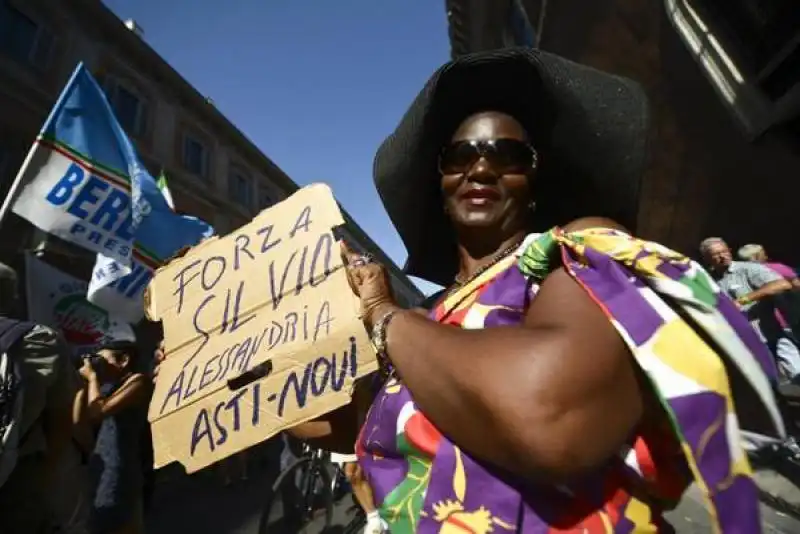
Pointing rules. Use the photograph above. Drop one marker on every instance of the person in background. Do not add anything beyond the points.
(787, 304)
(754, 287)
(116, 402)
(38, 417)
(756, 253)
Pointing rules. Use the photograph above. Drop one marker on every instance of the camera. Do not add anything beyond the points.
(96, 362)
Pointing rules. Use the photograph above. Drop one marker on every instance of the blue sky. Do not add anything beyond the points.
(316, 85)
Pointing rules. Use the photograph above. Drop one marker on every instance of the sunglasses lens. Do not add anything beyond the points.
(459, 157)
(511, 156)
(504, 155)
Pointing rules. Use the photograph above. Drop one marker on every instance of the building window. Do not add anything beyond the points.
(764, 36)
(195, 156)
(265, 199)
(761, 27)
(240, 188)
(23, 38)
(129, 107)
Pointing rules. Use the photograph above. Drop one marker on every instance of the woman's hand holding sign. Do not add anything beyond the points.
(370, 282)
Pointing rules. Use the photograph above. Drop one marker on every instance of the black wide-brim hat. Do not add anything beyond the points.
(589, 127)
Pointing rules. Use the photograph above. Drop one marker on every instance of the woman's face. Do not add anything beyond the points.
(486, 171)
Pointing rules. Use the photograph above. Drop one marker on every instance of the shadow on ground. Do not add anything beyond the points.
(202, 503)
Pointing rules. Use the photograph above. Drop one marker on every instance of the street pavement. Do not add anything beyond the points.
(691, 518)
(201, 504)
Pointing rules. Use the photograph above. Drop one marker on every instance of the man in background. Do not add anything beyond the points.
(42, 422)
(755, 287)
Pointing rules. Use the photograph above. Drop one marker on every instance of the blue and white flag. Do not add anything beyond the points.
(124, 296)
(84, 182)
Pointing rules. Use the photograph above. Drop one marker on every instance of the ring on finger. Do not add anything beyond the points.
(361, 260)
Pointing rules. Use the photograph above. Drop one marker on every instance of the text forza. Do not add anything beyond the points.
(219, 293)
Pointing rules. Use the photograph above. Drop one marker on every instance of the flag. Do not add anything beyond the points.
(58, 300)
(125, 296)
(83, 182)
(122, 295)
(162, 186)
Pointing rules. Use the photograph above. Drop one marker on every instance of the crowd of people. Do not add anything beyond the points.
(76, 449)
(75, 445)
(570, 376)
(766, 292)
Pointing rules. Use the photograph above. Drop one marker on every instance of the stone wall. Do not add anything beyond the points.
(705, 177)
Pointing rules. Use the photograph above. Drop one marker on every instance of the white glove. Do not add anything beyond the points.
(375, 524)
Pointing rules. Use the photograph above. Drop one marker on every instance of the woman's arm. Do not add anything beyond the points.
(548, 400)
(134, 391)
(769, 289)
(767, 283)
(337, 431)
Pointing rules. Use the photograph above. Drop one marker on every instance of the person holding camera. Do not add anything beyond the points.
(116, 403)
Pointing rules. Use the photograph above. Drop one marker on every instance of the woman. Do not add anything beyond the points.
(572, 381)
(756, 253)
(117, 397)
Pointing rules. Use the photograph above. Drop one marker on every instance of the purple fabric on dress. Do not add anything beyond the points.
(612, 285)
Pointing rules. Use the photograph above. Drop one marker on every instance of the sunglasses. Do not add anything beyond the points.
(506, 156)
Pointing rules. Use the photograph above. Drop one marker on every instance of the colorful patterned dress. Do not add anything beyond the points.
(424, 483)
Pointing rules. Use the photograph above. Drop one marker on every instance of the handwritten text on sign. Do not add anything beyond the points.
(261, 331)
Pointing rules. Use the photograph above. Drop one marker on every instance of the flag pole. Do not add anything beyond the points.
(8, 201)
(12, 191)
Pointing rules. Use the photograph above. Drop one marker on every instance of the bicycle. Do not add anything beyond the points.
(302, 494)
(357, 523)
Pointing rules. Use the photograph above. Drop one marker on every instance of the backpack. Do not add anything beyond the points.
(11, 395)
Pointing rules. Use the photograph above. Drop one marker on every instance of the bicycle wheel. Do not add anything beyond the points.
(357, 524)
(299, 501)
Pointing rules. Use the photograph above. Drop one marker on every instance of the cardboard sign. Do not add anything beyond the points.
(261, 331)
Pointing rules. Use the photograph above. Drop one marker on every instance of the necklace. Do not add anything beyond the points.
(461, 282)
(387, 370)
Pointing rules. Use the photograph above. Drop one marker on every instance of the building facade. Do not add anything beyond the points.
(724, 85)
(214, 171)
